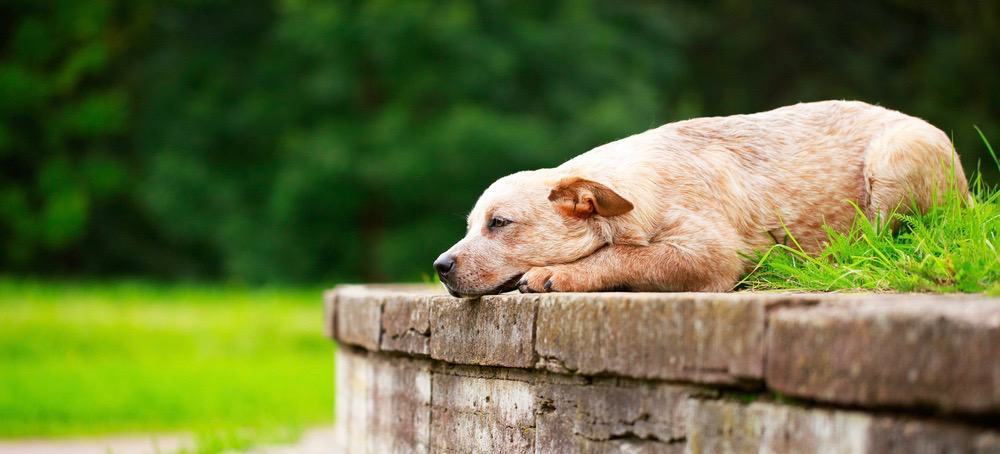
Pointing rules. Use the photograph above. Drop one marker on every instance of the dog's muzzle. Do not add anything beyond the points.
(445, 268)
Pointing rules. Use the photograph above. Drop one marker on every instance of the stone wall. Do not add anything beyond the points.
(419, 371)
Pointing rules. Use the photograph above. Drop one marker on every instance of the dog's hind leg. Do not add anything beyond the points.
(911, 165)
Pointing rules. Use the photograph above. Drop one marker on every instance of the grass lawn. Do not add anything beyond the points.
(130, 357)
(955, 247)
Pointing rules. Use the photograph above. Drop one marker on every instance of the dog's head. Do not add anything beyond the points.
(525, 220)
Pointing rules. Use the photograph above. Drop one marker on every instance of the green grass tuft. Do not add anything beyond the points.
(952, 248)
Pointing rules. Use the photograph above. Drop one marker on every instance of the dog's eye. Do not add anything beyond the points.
(496, 223)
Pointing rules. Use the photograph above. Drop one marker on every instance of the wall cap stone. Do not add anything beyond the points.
(938, 353)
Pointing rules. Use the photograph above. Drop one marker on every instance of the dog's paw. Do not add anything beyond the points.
(536, 280)
(545, 279)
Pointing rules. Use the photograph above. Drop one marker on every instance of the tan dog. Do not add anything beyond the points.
(676, 208)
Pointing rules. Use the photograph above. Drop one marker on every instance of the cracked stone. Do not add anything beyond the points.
(490, 331)
(473, 414)
(899, 350)
(406, 324)
(358, 311)
(609, 415)
(383, 404)
(699, 338)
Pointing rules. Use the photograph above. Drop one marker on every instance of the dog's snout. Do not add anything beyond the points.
(444, 264)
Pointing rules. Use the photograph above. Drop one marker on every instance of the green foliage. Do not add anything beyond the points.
(954, 247)
(377, 124)
(232, 364)
(305, 140)
(63, 117)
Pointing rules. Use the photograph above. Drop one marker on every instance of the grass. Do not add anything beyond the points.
(230, 365)
(955, 247)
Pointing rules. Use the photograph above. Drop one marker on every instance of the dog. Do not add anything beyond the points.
(681, 207)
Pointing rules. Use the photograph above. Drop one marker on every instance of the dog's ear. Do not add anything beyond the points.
(580, 198)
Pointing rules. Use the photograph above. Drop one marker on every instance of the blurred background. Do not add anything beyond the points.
(299, 141)
(237, 156)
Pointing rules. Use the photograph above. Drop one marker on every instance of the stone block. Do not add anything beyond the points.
(908, 436)
(358, 317)
(895, 351)
(406, 324)
(489, 331)
(400, 405)
(353, 407)
(721, 426)
(611, 416)
(700, 338)
(479, 414)
(383, 403)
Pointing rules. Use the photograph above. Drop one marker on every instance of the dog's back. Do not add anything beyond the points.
(800, 167)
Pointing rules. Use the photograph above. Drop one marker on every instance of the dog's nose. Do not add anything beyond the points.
(444, 264)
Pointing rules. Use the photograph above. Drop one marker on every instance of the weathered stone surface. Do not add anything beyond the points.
(354, 378)
(383, 404)
(556, 389)
(406, 324)
(490, 331)
(898, 351)
(720, 426)
(401, 405)
(357, 316)
(475, 414)
(930, 437)
(611, 416)
(705, 338)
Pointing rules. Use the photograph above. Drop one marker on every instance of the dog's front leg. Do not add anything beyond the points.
(664, 266)
(570, 277)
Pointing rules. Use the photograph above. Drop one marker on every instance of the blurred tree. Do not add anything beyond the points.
(925, 58)
(64, 119)
(347, 139)
(304, 140)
